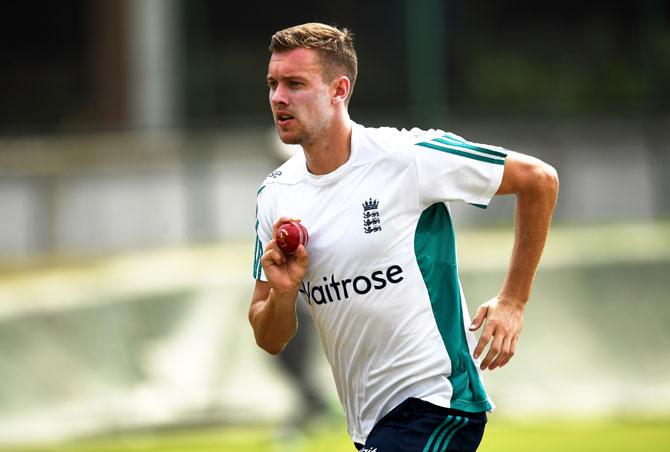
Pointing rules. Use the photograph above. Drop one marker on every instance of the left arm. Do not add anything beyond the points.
(535, 185)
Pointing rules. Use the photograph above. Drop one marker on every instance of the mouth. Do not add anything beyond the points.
(283, 118)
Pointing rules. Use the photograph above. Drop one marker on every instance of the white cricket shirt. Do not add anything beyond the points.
(382, 283)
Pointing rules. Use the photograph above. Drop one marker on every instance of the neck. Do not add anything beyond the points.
(331, 151)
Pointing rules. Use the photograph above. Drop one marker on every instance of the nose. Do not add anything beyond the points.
(278, 96)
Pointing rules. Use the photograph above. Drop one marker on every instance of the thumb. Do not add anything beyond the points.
(479, 317)
(301, 256)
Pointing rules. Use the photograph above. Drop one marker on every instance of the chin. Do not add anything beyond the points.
(289, 139)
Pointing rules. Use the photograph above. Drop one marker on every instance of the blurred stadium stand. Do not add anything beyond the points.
(112, 192)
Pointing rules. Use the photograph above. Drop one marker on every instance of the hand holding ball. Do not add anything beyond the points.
(290, 235)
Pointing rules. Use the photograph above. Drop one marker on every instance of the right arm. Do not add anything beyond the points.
(272, 312)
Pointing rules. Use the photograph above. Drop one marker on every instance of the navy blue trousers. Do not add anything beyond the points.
(419, 426)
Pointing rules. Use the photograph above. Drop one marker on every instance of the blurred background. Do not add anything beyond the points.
(134, 135)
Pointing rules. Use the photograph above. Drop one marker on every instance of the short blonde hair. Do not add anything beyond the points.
(334, 46)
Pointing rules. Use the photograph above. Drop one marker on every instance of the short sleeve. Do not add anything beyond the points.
(451, 168)
(263, 226)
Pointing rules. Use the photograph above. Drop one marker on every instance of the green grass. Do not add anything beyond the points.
(501, 436)
(587, 436)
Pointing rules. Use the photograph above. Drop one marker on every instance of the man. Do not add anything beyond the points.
(379, 273)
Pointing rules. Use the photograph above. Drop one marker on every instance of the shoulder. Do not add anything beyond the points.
(290, 172)
(381, 142)
(454, 145)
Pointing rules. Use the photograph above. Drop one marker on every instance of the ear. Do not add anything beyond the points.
(340, 86)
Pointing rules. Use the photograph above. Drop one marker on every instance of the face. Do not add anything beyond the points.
(299, 98)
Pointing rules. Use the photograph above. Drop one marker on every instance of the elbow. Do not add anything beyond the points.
(265, 343)
(544, 181)
(271, 332)
(527, 176)
(268, 343)
(272, 349)
(263, 340)
(550, 180)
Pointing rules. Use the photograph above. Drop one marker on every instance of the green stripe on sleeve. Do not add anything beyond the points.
(258, 248)
(258, 252)
(466, 154)
(257, 259)
(471, 146)
(454, 137)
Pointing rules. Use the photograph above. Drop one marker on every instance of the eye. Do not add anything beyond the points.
(272, 84)
(295, 84)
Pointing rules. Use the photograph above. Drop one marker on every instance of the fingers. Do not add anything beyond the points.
(279, 222)
(502, 325)
(502, 347)
(494, 350)
(511, 352)
(479, 318)
(300, 256)
(504, 355)
(483, 340)
(272, 255)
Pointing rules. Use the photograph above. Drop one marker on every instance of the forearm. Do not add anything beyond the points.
(535, 185)
(274, 320)
(534, 209)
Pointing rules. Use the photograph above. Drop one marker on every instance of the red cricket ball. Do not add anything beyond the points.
(290, 235)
